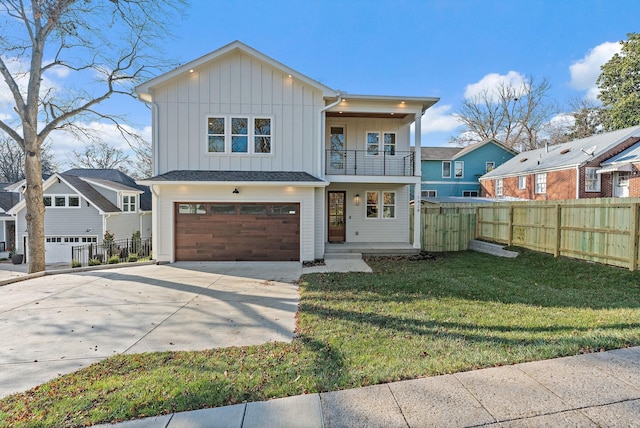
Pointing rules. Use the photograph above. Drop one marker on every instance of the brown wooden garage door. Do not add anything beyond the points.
(229, 232)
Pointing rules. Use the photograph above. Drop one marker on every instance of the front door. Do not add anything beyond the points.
(337, 216)
(621, 184)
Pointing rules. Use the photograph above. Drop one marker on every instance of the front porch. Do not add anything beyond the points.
(371, 248)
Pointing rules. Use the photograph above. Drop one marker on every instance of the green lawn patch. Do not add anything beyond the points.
(408, 319)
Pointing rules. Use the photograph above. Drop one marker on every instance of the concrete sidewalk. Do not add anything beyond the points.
(594, 390)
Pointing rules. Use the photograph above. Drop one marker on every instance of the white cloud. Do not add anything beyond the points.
(489, 83)
(585, 71)
(439, 119)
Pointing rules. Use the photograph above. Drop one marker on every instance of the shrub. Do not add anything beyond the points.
(94, 262)
(114, 259)
(75, 264)
(133, 257)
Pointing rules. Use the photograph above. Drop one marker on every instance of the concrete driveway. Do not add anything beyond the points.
(57, 324)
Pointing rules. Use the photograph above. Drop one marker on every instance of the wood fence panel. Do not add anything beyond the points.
(605, 230)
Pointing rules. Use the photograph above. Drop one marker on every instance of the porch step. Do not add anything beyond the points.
(489, 248)
(342, 256)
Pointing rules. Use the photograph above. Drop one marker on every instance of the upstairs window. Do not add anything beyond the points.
(374, 147)
(591, 180)
(446, 169)
(490, 166)
(61, 201)
(459, 169)
(129, 203)
(239, 135)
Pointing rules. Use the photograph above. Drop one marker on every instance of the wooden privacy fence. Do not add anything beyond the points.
(601, 230)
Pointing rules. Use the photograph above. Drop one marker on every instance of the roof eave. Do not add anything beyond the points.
(236, 183)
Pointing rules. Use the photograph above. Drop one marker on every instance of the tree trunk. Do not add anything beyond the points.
(35, 206)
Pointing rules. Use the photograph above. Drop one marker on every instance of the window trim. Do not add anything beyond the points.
(380, 205)
(443, 163)
(52, 198)
(129, 203)
(228, 136)
(470, 194)
(366, 143)
(540, 183)
(499, 185)
(487, 168)
(435, 193)
(522, 182)
(597, 180)
(455, 169)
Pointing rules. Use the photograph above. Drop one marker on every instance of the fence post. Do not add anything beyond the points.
(558, 240)
(510, 230)
(477, 223)
(635, 217)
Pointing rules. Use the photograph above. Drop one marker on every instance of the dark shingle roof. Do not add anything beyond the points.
(8, 200)
(115, 176)
(274, 176)
(439, 153)
(91, 194)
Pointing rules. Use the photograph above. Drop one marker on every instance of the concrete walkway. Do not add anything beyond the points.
(594, 390)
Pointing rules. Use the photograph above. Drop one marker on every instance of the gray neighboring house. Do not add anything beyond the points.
(7, 222)
(81, 205)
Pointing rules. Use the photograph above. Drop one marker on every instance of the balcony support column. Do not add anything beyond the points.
(417, 190)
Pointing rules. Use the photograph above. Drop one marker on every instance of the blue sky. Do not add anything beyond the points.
(441, 48)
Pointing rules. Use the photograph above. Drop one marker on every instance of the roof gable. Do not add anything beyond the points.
(471, 147)
(144, 90)
(439, 153)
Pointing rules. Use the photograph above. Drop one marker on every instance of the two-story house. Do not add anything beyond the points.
(80, 206)
(454, 171)
(582, 168)
(256, 161)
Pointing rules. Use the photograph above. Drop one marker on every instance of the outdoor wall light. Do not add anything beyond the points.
(236, 191)
(357, 200)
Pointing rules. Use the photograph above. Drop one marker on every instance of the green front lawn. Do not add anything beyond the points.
(409, 319)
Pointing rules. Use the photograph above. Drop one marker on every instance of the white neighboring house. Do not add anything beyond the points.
(256, 161)
(80, 205)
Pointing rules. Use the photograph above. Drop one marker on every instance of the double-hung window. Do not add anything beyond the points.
(459, 169)
(446, 169)
(541, 183)
(239, 135)
(591, 180)
(489, 166)
(499, 187)
(381, 205)
(522, 182)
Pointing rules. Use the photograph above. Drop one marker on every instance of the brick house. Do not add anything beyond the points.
(595, 167)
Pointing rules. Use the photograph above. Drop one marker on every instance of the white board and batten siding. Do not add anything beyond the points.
(163, 238)
(356, 130)
(237, 84)
(359, 228)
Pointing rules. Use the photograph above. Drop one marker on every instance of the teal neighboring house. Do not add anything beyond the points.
(454, 171)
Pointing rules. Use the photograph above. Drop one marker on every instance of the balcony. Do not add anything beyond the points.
(361, 162)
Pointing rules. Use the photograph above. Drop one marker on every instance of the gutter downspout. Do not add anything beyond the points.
(321, 162)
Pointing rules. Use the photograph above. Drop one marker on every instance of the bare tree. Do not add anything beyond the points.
(12, 161)
(104, 43)
(100, 155)
(515, 115)
(143, 165)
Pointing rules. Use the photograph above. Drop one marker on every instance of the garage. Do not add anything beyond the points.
(237, 231)
(57, 249)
